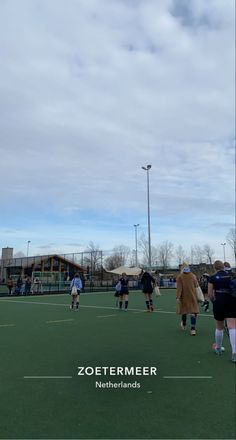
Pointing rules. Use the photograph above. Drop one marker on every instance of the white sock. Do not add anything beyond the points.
(219, 337)
(232, 337)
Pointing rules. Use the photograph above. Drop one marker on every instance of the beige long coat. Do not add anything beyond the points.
(186, 293)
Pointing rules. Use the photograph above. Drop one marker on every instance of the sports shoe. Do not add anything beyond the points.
(193, 332)
(234, 357)
(182, 325)
(151, 308)
(214, 347)
(218, 351)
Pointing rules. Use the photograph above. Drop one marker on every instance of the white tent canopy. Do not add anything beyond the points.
(135, 271)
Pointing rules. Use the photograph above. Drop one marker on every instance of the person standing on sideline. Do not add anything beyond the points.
(117, 292)
(148, 283)
(75, 286)
(224, 306)
(19, 283)
(27, 286)
(10, 285)
(186, 297)
(228, 268)
(203, 282)
(124, 292)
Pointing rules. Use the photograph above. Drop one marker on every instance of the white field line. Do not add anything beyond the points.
(187, 377)
(59, 320)
(94, 307)
(145, 311)
(164, 377)
(105, 316)
(7, 325)
(47, 377)
(50, 295)
(33, 302)
(68, 293)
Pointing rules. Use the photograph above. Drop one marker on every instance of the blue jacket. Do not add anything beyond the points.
(77, 283)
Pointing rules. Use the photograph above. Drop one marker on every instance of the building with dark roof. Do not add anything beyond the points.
(41, 264)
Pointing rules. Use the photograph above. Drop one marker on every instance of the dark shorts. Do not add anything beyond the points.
(224, 307)
(148, 291)
(124, 292)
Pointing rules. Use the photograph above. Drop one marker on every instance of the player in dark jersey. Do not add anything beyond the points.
(224, 306)
(124, 291)
(228, 269)
(148, 283)
(203, 283)
(117, 292)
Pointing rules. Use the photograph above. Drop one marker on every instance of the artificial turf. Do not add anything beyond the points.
(40, 336)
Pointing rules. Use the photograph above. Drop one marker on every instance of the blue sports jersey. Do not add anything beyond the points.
(221, 281)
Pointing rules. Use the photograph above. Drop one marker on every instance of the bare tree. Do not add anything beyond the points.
(208, 252)
(180, 254)
(94, 257)
(144, 246)
(123, 252)
(113, 262)
(231, 240)
(165, 253)
(118, 258)
(132, 259)
(197, 254)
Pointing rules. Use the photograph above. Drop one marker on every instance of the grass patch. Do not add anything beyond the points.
(49, 340)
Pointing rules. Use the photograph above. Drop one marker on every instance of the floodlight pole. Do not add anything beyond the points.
(147, 168)
(28, 243)
(136, 245)
(223, 244)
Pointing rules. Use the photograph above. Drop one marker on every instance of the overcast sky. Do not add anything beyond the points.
(90, 91)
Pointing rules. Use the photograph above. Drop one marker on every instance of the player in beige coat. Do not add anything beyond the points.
(186, 297)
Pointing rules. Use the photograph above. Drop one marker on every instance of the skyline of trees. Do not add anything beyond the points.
(163, 254)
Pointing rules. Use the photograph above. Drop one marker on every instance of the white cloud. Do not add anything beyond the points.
(89, 94)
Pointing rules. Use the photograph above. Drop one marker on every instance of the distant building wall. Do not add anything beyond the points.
(7, 255)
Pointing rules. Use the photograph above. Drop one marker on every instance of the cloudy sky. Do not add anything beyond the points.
(91, 91)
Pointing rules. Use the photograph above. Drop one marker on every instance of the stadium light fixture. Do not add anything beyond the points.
(223, 244)
(147, 169)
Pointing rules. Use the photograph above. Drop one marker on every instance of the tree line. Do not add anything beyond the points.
(161, 255)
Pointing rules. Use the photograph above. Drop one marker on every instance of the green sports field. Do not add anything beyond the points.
(42, 344)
